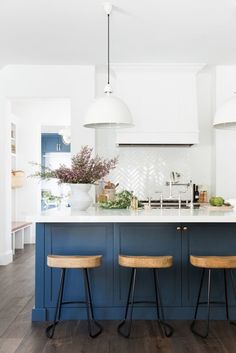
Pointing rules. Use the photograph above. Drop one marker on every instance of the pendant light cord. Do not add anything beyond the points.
(108, 49)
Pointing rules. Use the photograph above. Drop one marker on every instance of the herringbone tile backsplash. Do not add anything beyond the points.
(145, 170)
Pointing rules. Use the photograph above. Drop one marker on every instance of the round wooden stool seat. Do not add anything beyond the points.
(64, 261)
(145, 261)
(223, 262)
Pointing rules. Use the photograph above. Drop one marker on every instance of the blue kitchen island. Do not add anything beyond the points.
(109, 233)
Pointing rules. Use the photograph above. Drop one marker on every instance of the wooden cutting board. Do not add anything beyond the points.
(220, 208)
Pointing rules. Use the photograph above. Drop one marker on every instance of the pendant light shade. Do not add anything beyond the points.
(108, 111)
(66, 135)
(225, 117)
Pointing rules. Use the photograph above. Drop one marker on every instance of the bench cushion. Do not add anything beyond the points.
(19, 225)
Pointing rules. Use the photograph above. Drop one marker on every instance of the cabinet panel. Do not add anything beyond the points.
(69, 239)
(179, 284)
(148, 239)
(50, 143)
(53, 143)
(206, 239)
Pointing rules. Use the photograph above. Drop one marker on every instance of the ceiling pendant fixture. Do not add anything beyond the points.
(65, 135)
(108, 111)
(225, 116)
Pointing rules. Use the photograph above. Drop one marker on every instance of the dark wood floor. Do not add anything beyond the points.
(19, 335)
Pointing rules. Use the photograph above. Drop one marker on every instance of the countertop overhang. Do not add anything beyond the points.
(96, 215)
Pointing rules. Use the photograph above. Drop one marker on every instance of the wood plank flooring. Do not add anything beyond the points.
(19, 335)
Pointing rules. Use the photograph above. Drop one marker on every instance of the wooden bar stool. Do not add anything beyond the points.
(211, 263)
(154, 263)
(76, 262)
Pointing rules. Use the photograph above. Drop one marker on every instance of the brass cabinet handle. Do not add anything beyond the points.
(178, 229)
(185, 228)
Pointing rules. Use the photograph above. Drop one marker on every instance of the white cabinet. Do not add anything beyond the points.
(163, 102)
(225, 140)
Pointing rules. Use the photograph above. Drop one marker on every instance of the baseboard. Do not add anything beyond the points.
(6, 258)
(39, 314)
(32, 241)
(139, 313)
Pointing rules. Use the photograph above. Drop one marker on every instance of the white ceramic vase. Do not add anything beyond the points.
(80, 198)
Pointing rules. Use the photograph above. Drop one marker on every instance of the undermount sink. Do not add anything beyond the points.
(170, 204)
(173, 207)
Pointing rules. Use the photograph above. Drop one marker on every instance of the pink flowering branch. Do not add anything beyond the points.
(84, 169)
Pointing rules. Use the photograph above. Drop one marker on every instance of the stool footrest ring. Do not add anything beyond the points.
(50, 330)
(168, 330)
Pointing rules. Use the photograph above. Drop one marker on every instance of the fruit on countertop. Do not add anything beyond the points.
(216, 201)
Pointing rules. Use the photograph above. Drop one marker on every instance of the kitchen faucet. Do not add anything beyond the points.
(174, 179)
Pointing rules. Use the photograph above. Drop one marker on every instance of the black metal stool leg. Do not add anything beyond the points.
(168, 329)
(157, 304)
(234, 288)
(208, 305)
(51, 329)
(233, 284)
(131, 303)
(198, 300)
(89, 306)
(208, 300)
(226, 296)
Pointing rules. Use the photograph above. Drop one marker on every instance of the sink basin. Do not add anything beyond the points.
(170, 204)
(173, 207)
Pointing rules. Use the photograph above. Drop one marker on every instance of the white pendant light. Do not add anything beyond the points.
(108, 111)
(225, 117)
(66, 135)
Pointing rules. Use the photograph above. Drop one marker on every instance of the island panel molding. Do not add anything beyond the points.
(87, 240)
(150, 240)
(208, 240)
(110, 282)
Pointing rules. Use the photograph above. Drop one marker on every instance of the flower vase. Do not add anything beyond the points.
(80, 198)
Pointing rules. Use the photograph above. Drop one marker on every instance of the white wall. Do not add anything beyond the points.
(225, 141)
(46, 111)
(73, 82)
(5, 180)
(32, 115)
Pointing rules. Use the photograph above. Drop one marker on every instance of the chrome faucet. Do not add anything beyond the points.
(191, 194)
(161, 198)
(174, 179)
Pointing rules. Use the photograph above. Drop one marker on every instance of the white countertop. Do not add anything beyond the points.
(96, 215)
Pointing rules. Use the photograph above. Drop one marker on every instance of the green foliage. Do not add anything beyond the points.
(47, 196)
(122, 200)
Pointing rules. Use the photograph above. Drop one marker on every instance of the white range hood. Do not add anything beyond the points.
(163, 103)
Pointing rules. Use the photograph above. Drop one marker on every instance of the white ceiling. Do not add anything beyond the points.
(74, 31)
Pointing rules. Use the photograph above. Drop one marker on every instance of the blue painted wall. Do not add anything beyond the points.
(110, 282)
